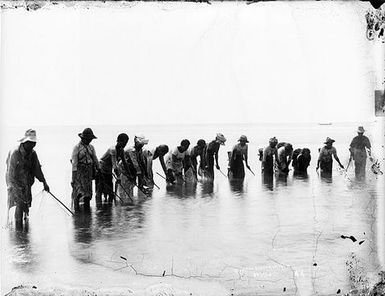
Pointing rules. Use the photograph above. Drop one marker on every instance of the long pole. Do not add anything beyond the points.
(60, 202)
(124, 189)
(160, 175)
(223, 173)
(251, 171)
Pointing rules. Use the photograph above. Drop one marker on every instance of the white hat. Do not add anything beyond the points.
(220, 138)
(30, 135)
(141, 139)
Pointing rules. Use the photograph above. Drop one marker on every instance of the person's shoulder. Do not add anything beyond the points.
(14, 152)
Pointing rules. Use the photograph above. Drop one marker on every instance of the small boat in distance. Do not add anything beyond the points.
(325, 123)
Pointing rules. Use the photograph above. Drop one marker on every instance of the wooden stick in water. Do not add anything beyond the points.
(60, 203)
(160, 175)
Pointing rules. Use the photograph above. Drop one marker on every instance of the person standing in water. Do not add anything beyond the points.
(284, 156)
(301, 161)
(108, 167)
(85, 166)
(212, 154)
(325, 159)
(137, 171)
(268, 157)
(358, 147)
(175, 162)
(197, 151)
(149, 156)
(23, 167)
(236, 158)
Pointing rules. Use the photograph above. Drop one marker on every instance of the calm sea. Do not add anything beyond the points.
(248, 239)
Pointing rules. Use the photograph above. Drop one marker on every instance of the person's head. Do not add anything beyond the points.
(305, 152)
(201, 144)
(28, 146)
(184, 144)
(140, 141)
(122, 140)
(360, 130)
(329, 142)
(243, 140)
(288, 148)
(87, 136)
(273, 142)
(29, 140)
(162, 150)
(220, 138)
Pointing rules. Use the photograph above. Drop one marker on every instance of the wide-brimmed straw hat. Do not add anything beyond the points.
(141, 139)
(220, 138)
(243, 138)
(30, 135)
(360, 130)
(87, 134)
(329, 140)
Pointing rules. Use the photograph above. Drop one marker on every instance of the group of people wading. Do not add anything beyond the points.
(132, 167)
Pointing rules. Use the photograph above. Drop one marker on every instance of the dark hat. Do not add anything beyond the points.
(329, 140)
(87, 134)
(243, 138)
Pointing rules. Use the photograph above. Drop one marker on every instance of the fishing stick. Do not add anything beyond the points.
(60, 202)
(124, 189)
(160, 175)
(133, 182)
(350, 160)
(251, 171)
(222, 173)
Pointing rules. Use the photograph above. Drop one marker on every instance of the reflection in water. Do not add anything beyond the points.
(207, 188)
(236, 186)
(326, 177)
(301, 175)
(82, 227)
(103, 215)
(268, 181)
(281, 179)
(23, 255)
(185, 190)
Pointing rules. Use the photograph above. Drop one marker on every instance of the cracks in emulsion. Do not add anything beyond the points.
(371, 212)
(314, 276)
(292, 270)
(241, 273)
(273, 240)
(314, 207)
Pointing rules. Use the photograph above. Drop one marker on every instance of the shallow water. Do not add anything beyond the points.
(248, 237)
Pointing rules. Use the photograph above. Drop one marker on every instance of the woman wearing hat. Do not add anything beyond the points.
(212, 154)
(358, 147)
(236, 158)
(85, 165)
(137, 168)
(325, 159)
(23, 167)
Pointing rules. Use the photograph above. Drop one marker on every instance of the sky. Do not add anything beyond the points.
(158, 63)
